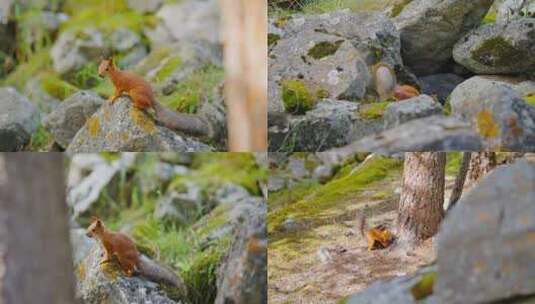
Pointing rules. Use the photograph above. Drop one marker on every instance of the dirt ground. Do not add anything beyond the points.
(326, 263)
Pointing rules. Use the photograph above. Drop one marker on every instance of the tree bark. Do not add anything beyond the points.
(459, 180)
(481, 163)
(422, 196)
(35, 246)
(244, 36)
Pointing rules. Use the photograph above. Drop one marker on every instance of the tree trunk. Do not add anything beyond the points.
(244, 36)
(459, 180)
(35, 246)
(422, 196)
(481, 163)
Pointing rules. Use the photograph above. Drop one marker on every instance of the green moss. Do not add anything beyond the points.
(486, 125)
(104, 89)
(322, 93)
(530, 100)
(200, 277)
(273, 39)
(497, 52)
(337, 191)
(296, 97)
(106, 16)
(424, 287)
(286, 197)
(373, 111)
(212, 221)
(447, 107)
(41, 140)
(24, 71)
(57, 87)
(281, 22)
(324, 49)
(453, 164)
(87, 76)
(398, 7)
(490, 17)
(31, 36)
(189, 93)
(168, 68)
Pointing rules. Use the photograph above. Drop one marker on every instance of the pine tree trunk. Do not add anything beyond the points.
(422, 196)
(35, 246)
(481, 163)
(460, 180)
(244, 35)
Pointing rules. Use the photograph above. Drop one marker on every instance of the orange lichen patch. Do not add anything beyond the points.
(111, 269)
(80, 272)
(142, 120)
(256, 246)
(487, 127)
(405, 92)
(93, 126)
(124, 136)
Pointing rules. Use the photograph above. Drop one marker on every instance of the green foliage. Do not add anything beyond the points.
(453, 163)
(32, 36)
(424, 287)
(104, 15)
(286, 197)
(87, 77)
(374, 110)
(153, 60)
(296, 97)
(57, 87)
(530, 99)
(40, 61)
(490, 17)
(337, 191)
(189, 93)
(168, 68)
(41, 140)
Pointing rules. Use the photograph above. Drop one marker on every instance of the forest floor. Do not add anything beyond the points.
(326, 263)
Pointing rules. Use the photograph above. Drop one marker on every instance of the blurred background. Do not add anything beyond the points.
(200, 215)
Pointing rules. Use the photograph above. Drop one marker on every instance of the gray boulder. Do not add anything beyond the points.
(398, 113)
(122, 127)
(440, 85)
(323, 173)
(331, 53)
(276, 183)
(486, 240)
(145, 6)
(230, 193)
(499, 48)
(18, 121)
(73, 50)
(107, 284)
(39, 97)
(430, 28)
(331, 124)
(191, 19)
(434, 133)
(509, 10)
(297, 168)
(242, 275)
(497, 113)
(71, 115)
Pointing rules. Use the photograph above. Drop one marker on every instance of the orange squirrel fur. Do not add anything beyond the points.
(378, 237)
(121, 246)
(386, 85)
(142, 95)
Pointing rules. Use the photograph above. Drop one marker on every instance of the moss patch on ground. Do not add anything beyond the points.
(398, 7)
(24, 71)
(57, 87)
(170, 65)
(296, 97)
(336, 192)
(190, 92)
(374, 110)
(41, 140)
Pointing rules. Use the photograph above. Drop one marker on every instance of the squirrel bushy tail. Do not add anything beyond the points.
(187, 123)
(362, 225)
(160, 274)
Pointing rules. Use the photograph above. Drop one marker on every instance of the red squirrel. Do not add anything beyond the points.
(378, 237)
(142, 95)
(122, 247)
(386, 84)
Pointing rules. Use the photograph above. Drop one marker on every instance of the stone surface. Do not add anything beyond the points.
(67, 119)
(403, 111)
(18, 120)
(509, 10)
(430, 28)
(434, 133)
(331, 124)
(497, 113)
(440, 85)
(323, 173)
(39, 97)
(487, 240)
(121, 127)
(499, 48)
(242, 276)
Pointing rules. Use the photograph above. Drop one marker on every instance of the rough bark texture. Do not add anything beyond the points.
(422, 196)
(481, 163)
(459, 180)
(244, 32)
(35, 247)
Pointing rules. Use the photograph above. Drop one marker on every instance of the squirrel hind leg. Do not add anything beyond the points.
(140, 100)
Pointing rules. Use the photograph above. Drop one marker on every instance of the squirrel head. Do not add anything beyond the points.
(95, 228)
(105, 66)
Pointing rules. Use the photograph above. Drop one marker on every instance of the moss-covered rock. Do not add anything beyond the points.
(374, 110)
(296, 97)
(324, 48)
